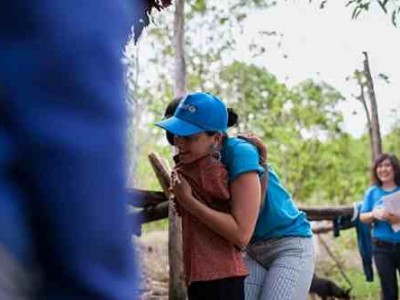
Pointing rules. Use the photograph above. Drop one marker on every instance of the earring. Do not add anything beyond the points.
(216, 153)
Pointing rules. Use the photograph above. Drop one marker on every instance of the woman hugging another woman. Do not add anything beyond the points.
(219, 186)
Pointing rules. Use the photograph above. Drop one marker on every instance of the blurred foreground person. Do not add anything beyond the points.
(63, 227)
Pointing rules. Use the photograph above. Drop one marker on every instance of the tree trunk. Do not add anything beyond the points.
(375, 128)
(180, 65)
(363, 101)
(177, 289)
(135, 112)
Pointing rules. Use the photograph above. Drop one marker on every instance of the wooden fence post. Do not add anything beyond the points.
(177, 289)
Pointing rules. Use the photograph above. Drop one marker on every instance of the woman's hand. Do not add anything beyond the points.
(236, 227)
(380, 214)
(259, 143)
(392, 218)
(181, 188)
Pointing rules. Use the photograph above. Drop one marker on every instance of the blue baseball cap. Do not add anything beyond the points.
(197, 112)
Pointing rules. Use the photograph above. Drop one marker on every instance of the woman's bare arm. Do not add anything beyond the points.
(238, 226)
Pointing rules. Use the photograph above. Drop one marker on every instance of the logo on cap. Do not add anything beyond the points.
(190, 108)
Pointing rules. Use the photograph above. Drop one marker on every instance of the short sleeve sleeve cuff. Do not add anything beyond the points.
(367, 204)
(244, 158)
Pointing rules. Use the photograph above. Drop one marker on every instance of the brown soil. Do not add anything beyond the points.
(153, 260)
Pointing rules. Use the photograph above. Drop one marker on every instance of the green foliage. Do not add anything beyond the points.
(345, 251)
(199, 6)
(155, 226)
(391, 142)
(300, 124)
(361, 290)
(344, 169)
(391, 8)
(301, 127)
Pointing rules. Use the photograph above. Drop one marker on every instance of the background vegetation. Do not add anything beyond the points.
(302, 125)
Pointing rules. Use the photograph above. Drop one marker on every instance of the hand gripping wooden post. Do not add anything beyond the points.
(177, 290)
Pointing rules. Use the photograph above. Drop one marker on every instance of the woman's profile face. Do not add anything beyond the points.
(193, 147)
(385, 171)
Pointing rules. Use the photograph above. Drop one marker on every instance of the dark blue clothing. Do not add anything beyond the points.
(364, 240)
(387, 261)
(62, 119)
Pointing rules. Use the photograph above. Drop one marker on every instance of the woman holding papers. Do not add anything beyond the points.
(381, 208)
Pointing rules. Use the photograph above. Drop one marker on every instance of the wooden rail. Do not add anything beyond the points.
(156, 209)
(156, 205)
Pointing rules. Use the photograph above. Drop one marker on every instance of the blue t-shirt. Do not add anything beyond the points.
(382, 230)
(279, 216)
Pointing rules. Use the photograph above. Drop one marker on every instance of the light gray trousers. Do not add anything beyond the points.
(283, 269)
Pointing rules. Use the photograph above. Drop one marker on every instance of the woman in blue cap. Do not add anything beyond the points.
(276, 233)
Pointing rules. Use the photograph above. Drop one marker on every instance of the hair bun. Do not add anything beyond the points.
(233, 117)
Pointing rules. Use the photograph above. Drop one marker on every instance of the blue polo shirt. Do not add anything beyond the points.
(279, 216)
(382, 230)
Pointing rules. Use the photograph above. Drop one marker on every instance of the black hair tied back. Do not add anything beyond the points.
(233, 117)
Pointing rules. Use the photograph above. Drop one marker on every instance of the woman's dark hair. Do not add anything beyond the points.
(169, 112)
(173, 105)
(233, 117)
(395, 165)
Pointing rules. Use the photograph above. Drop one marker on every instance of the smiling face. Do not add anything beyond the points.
(385, 172)
(196, 146)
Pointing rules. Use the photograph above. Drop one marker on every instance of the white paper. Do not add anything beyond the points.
(392, 205)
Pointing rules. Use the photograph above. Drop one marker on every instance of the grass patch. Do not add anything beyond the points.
(155, 226)
(362, 289)
(344, 248)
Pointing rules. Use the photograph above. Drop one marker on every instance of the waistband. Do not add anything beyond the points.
(380, 243)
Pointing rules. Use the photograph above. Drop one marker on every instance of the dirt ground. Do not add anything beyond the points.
(152, 254)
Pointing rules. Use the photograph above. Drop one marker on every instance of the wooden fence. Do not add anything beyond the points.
(155, 205)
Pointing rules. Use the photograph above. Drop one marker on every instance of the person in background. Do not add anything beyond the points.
(386, 181)
(63, 225)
